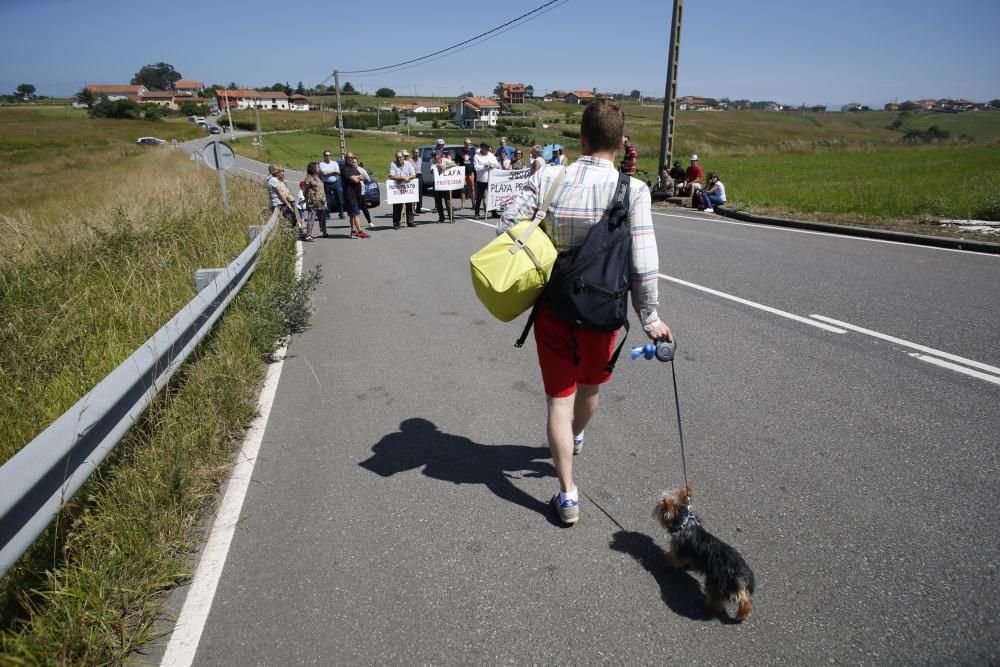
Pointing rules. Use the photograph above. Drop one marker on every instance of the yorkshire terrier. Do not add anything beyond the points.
(727, 575)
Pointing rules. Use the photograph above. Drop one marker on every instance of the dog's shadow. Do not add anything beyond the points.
(679, 590)
(459, 460)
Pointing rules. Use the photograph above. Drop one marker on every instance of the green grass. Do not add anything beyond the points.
(894, 183)
(91, 265)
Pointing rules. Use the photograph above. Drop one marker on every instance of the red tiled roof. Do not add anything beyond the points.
(114, 89)
(188, 83)
(479, 102)
(243, 92)
(158, 95)
(582, 93)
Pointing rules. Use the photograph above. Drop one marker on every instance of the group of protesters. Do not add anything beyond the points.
(328, 188)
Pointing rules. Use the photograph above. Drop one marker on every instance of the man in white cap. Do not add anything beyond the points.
(692, 179)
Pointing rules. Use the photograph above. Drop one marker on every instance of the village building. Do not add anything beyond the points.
(298, 103)
(188, 87)
(116, 92)
(241, 98)
(471, 112)
(512, 93)
(580, 97)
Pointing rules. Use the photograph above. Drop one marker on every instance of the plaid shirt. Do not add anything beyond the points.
(586, 191)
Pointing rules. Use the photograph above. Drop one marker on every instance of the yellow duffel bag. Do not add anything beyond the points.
(510, 272)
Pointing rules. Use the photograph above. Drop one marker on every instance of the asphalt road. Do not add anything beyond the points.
(398, 511)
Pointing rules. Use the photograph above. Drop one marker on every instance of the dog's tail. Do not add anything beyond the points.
(744, 604)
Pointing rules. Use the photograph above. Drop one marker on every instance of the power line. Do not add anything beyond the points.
(440, 53)
(493, 34)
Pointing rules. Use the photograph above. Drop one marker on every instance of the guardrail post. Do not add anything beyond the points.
(202, 277)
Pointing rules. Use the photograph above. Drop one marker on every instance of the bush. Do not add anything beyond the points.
(115, 109)
(362, 121)
(571, 133)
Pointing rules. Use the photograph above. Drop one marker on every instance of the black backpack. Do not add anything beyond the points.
(589, 285)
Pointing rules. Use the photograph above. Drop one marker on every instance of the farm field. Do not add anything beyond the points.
(838, 167)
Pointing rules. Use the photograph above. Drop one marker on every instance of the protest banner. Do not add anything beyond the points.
(401, 193)
(504, 187)
(450, 179)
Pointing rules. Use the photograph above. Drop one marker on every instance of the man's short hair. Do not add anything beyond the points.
(537, 148)
(603, 125)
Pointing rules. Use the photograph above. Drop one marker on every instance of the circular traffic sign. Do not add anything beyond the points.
(218, 155)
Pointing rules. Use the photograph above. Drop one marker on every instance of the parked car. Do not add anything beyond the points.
(214, 129)
(426, 161)
(372, 193)
(150, 141)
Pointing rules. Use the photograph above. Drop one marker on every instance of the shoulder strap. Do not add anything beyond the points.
(539, 213)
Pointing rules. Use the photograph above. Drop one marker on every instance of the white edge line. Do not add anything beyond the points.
(906, 343)
(955, 367)
(763, 225)
(754, 304)
(191, 621)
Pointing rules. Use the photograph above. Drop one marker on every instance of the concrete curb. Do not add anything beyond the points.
(883, 234)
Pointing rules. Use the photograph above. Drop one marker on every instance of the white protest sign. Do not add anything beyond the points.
(401, 193)
(504, 187)
(450, 179)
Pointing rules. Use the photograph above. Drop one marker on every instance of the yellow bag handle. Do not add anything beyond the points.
(540, 212)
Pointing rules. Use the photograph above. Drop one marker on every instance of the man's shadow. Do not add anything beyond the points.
(679, 590)
(455, 459)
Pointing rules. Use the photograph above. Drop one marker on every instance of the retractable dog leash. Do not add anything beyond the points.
(665, 353)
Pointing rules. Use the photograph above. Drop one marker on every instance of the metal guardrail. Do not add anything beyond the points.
(45, 473)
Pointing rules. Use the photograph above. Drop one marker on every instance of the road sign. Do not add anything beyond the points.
(218, 155)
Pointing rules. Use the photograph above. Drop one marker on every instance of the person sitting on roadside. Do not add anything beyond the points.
(677, 173)
(714, 194)
(692, 180)
(664, 186)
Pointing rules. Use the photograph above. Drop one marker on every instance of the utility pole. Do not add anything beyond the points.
(340, 117)
(260, 139)
(670, 94)
(229, 113)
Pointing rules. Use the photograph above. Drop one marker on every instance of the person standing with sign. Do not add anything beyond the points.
(484, 162)
(401, 171)
(442, 198)
(573, 360)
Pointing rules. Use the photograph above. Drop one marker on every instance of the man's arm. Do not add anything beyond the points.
(645, 264)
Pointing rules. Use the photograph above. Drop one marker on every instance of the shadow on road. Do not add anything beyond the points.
(679, 590)
(455, 459)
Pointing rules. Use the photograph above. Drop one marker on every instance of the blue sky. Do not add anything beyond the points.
(793, 51)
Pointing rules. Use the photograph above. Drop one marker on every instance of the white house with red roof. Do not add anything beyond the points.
(476, 112)
(242, 98)
(117, 92)
(188, 87)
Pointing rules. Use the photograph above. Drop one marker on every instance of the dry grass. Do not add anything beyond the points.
(95, 258)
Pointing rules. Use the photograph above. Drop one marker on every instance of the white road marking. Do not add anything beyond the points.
(916, 346)
(778, 228)
(191, 621)
(955, 367)
(754, 304)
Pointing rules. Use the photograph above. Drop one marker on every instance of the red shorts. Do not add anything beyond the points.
(568, 354)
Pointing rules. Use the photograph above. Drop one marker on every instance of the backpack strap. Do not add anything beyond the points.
(540, 212)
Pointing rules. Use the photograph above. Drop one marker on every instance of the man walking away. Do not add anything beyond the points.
(401, 171)
(573, 360)
(329, 173)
